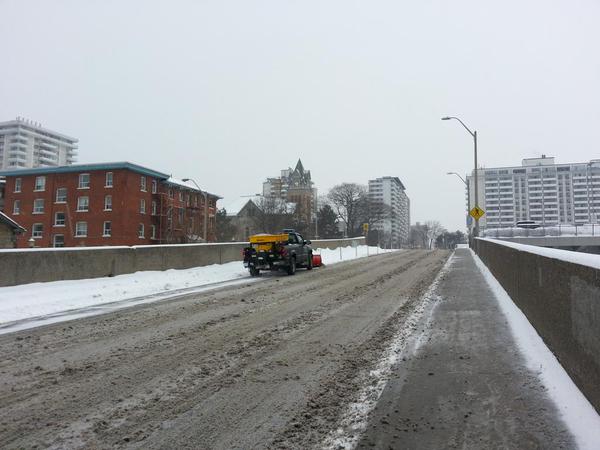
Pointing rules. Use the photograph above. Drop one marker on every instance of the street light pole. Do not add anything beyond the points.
(468, 189)
(474, 134)
(205, 206)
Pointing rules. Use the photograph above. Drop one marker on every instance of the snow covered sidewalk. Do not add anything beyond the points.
(18, 303)
(481, 378)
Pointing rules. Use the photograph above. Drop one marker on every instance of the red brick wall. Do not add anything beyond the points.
(125, 215)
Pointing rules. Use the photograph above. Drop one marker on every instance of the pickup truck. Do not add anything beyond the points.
(286, 251)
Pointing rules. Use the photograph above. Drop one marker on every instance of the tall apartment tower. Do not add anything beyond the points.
(25, 144)
(538, 190)
(394, 226)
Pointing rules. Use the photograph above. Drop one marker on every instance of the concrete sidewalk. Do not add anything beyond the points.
(466, 385)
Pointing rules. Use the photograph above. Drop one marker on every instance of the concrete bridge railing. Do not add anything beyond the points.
(21, 266)
(561, 300)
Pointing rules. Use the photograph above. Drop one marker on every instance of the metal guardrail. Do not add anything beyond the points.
(543, 231)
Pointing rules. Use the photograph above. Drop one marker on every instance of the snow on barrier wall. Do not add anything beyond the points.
(561, 299)
(37, 265)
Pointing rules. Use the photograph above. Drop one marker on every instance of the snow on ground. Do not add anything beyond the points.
(547, 231)
(405, 342)
(584, 259)
(579, 415)
(18, 303)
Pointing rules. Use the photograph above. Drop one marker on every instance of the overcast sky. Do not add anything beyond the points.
(230, 92)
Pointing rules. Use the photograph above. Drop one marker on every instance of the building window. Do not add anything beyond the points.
(38, 206)
(61, 195)
(143, 184)
(83, 204)
(107, 229)
(108, 203)
(154, 208)
(59, 219)
(142, 206)
(154, 187)
(141, 231)
(37, 230)
(81, 229)
(180, 216)
(17, 207)
(40, 184)
(153, 231)
(180, 196)
(59, 240)
(170, 193)
(109, 179)
(84, 181)
(17, 185)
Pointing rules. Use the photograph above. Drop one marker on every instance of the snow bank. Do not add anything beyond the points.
(26, 301)
(584, 259)
(578, 414)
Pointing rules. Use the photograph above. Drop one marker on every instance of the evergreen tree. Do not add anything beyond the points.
(328, 228)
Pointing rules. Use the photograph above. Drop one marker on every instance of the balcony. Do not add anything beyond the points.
(43, 151)
(48, 161)
(48, 145)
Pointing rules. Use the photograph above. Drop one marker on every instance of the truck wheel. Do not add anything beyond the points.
(254, 272)
(291, 269)
(309, 266)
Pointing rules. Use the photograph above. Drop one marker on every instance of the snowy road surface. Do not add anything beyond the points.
(30, 305)
(269, 364)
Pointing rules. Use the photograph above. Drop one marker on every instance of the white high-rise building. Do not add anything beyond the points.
(538, 190)
(394, 225)
(26, 144)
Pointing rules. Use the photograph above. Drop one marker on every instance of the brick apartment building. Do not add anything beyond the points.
(116, 203)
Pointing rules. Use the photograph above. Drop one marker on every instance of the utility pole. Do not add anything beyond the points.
(474, 135)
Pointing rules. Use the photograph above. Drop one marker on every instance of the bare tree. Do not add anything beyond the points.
(434, 229)
(419, 235)
(348, 200)
(273, 214)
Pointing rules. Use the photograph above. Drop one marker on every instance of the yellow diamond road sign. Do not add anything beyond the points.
(477, 213)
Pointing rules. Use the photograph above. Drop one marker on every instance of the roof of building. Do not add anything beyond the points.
(188, 185)
(396, 179)
(86, 167)
(105, 166)
(234, 206)
(529, 164)
(11, 223)
(35, 127)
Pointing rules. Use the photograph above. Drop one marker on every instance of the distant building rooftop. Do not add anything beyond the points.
(543, 161)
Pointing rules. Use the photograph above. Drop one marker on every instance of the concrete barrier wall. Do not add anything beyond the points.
(335, 243)
(38, 265)
(561, 300)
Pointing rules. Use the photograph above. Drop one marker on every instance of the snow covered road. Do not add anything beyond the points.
(36, 304)
(267, 364)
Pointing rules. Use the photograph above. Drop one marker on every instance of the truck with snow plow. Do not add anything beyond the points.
(285, 251)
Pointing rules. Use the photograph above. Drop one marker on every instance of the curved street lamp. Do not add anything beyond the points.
(474, 134)
(466, 184)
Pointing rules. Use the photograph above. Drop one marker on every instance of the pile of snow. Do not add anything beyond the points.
(552, 230)
(41, 299)
(584, 259)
